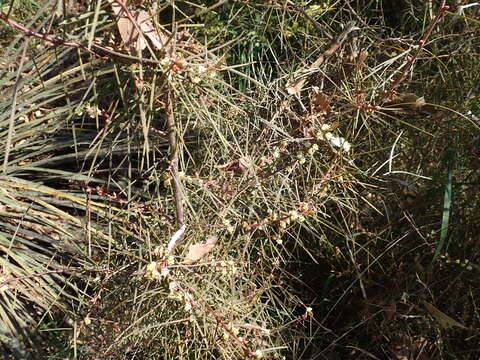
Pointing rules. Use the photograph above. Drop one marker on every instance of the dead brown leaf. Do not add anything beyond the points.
(129, 30)
(128, 33)
(441, 318)
(321, 102)
(157, 39)
(408, 101)
(198, 251)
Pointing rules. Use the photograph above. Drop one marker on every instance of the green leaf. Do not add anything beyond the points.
(447, 202)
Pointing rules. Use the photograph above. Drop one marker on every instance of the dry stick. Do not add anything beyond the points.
(220, 322)
(297, 87)
(347, 2)
(42, 36)
(336, 43)
(172, 140)
(95, 48)
(311, 19)
(11, 125)
(411, 59)
(201, 12)
(99, 50)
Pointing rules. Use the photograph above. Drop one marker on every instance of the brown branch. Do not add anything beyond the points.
(172, 140)
(411, 59)
(314, 22)
(53, 40)
(336, 43)
(95, 48)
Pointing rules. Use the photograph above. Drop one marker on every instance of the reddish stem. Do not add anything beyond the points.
(53, 40)
(411, 59)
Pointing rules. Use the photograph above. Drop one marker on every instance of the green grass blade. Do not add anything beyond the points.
(447, 202)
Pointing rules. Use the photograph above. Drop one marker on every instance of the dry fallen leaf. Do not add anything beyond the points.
(129, 31)
(149, 30)
(407, 101)
(441, 318)
(321, 102)
(198, 251)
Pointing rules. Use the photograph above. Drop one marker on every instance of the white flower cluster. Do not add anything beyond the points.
(336, 141)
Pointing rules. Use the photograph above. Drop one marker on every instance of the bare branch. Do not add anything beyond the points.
(172, 140)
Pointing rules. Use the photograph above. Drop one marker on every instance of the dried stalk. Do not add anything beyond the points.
(94, 48)
(411, 59)
(297, 87)
(172, 140)
(314, 22)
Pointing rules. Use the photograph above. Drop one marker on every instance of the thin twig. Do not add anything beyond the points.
(11, 125)
(314, 22)
(172, 140)
(336, 43)
(130, 16)
(42, 36)
(347, 2)
(411, 59)
(94, 48)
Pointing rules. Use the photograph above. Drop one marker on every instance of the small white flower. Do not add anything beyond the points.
(293, 215)
(165, 62)
(196, 79)
(258, 354)
(152, 271)
(312, 150)
(173, 286)
(235, 330)
(339, 142)
(201, 69)
(346, 146)
(165, 272)
(158, 251)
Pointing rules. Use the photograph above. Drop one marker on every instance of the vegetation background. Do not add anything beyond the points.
(239, 179)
